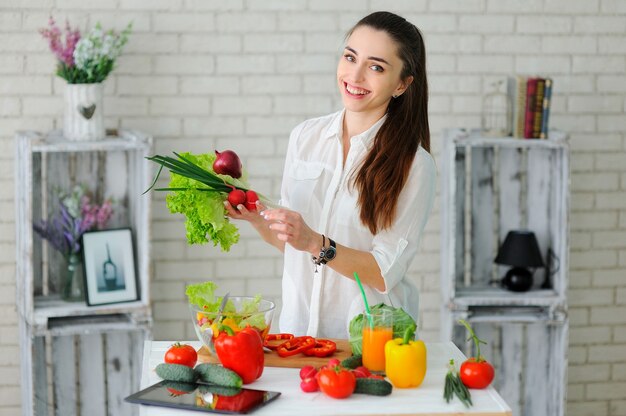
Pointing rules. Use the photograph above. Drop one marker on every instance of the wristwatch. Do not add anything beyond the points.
(326, 253)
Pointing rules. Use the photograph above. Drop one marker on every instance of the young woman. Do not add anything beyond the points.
(358, 186)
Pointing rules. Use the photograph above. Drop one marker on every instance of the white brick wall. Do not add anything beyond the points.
(206, 74)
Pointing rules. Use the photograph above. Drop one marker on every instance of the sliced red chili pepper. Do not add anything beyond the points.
(295, 346)
(322, 348)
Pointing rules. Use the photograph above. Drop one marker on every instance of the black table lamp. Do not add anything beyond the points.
(520, 250)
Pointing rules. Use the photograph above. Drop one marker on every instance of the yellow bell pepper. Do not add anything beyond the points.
(232, 324)
(405, 360)
(229, 322)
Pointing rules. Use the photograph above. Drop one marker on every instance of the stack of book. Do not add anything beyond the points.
(530, 98)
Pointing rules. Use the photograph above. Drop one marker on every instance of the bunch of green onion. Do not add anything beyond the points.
(184, 167)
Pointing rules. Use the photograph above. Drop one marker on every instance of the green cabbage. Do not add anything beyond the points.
(401, 321)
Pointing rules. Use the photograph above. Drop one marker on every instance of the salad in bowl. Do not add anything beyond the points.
(237, 313)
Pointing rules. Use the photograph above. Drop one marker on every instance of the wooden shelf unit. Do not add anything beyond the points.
(79, 359)
(489, 187)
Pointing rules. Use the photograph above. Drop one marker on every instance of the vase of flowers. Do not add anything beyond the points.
(76, 215)
(82, 112)
(84, 62)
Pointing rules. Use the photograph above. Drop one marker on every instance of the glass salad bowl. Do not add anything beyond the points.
(239, 312)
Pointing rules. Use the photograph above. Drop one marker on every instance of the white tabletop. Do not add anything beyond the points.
(425, 400)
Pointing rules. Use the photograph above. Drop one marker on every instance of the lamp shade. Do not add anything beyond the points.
(520, 249)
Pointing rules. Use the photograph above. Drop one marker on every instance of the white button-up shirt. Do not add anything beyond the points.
(315, 184)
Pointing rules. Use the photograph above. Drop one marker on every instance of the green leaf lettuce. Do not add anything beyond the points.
(203, 296)
(203, 208)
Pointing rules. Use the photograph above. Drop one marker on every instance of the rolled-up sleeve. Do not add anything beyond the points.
(395, 248)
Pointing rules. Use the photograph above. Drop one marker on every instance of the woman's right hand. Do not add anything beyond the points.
(242, 213)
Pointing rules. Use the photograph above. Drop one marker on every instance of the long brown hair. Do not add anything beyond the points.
(385, 169)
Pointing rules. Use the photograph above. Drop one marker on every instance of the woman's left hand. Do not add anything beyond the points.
(289, 226)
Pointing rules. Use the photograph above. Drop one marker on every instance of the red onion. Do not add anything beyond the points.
(227, 163)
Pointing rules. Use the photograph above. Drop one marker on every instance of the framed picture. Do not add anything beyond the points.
(109, 261)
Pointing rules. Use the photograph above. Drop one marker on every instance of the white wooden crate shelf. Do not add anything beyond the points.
(98, 324)
(501, 297)
(55, 142)
(474, 138)
(491, 186)
(51, 307)
(91, 354)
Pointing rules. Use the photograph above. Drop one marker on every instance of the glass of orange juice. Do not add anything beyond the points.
(377, 330)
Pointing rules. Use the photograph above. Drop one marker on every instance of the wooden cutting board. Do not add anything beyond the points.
(295, 361)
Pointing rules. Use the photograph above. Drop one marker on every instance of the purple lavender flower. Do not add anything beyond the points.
(53, 232)
(64, 230)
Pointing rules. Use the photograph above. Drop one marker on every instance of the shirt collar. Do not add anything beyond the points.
(335, 128)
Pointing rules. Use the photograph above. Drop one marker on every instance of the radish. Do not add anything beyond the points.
(251, 198)
(237, 197)
(308, 371)
(309, 385)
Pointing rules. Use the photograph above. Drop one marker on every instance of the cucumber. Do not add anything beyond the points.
(219, 390)
(352, 362)
(176, 372)
(180, 386)
(216, 374)
(373, 386)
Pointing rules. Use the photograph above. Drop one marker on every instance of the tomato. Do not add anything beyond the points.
(336, 382)
(476, 374)
(182, 354)
(176, 393)
(176, 388)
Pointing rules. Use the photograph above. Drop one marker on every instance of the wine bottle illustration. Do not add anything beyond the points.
(109, 271)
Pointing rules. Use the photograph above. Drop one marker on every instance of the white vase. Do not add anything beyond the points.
(82, 116)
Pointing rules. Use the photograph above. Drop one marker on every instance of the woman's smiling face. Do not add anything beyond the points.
(369, 71)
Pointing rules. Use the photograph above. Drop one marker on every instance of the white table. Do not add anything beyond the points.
(425, 400)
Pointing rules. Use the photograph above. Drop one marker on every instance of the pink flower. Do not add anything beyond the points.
(88, 221)
(64, 53)
(71, 39)
(104, 214)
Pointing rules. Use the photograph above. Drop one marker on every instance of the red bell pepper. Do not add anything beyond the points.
(281, 338)
(241, 402)
(322, 348)
(276, 337)
(241, 352)
(295, 346)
